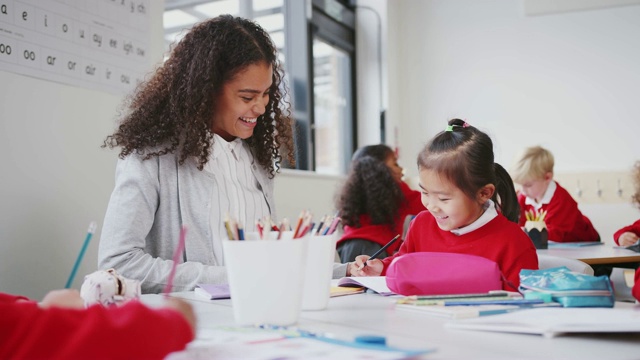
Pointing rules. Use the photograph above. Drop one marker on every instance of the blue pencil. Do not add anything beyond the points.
(92, 229)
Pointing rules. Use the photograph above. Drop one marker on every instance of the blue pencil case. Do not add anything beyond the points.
(569, 288)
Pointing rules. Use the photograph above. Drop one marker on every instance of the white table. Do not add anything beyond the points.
(369, 314)
(597, 255)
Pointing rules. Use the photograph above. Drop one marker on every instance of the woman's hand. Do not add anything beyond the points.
(374, 267)
(627, 239)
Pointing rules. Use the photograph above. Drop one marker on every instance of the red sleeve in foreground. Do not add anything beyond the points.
(132, 331)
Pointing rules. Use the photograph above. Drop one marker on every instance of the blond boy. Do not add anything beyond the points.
(533, 171)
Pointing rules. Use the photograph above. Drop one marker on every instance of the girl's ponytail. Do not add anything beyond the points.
(506, 193)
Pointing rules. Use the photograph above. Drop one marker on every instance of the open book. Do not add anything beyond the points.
(374, 283)
(555, 321)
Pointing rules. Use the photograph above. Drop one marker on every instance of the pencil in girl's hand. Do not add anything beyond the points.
(375, 255)
(176, 256)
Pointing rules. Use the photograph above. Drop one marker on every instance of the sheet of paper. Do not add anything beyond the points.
(252, 343)
(554, 321)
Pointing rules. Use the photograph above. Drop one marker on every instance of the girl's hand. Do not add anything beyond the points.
(374, 267)
(627, 239)
(65, 298)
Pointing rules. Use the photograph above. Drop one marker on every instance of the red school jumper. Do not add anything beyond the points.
(131, 331)
(634, 228)
(381, 234)
(565, 222)
(499, 240)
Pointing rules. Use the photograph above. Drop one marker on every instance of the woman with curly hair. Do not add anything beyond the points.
(201, 140)
(374, 202)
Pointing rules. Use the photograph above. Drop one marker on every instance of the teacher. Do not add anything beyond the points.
(201, 139)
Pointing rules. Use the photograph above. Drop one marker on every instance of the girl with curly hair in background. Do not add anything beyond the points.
(374, 203)
(200, 140)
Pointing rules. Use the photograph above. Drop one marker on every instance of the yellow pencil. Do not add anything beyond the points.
(227, 226)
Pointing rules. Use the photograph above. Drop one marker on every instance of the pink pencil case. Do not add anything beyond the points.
(436, 273)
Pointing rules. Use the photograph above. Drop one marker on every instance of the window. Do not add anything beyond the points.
(318, 57)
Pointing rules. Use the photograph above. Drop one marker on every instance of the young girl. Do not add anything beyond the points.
(374, 202)
(629, 235)
(471, 207)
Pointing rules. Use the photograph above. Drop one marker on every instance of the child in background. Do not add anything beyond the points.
(373, 203)
(60, 327)
(629, 235)
(565, 223)
(471, 207)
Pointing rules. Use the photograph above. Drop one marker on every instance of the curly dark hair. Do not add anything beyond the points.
(370, 189)
(173, 111)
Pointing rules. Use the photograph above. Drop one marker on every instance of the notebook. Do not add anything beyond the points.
(469, 305)
(345, 290)
(374, 283)
(213, 291)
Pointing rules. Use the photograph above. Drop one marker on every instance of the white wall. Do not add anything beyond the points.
(55, 178)
(568, 81)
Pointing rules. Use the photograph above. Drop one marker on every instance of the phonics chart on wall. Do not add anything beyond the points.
(96, 44)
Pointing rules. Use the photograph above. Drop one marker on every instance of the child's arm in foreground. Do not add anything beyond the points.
(63, 330)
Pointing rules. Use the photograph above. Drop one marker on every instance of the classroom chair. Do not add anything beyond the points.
(549, 261)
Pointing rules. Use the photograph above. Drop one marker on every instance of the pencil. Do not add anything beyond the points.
(176, 257)
(375, 255)
(322, 220)
(227, 226)
(90, 231)
(240, 231)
